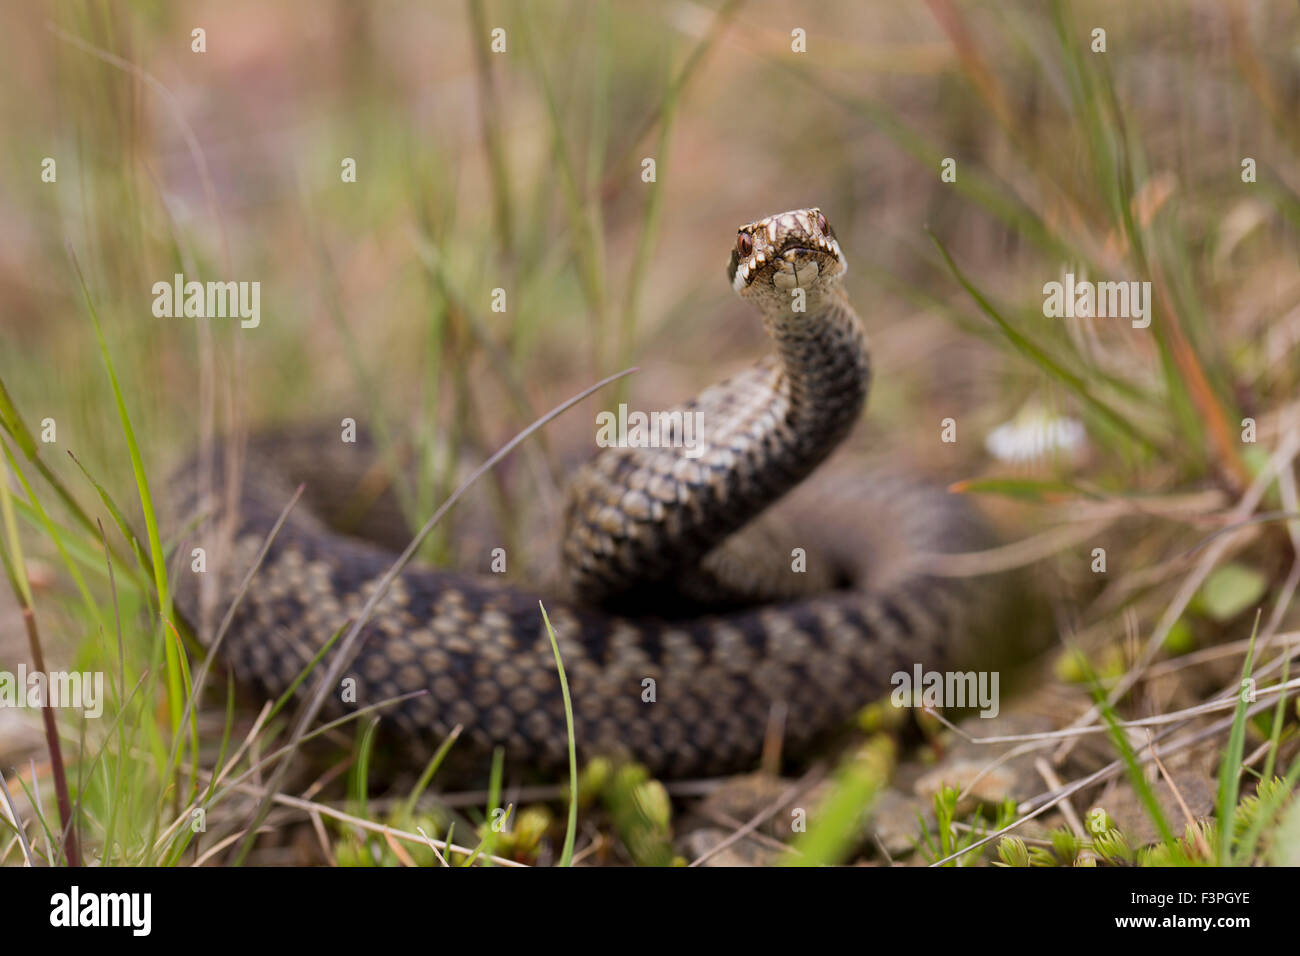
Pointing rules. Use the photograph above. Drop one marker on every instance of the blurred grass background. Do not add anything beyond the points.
(522, 170)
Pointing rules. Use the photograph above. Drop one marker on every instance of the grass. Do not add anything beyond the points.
(379, 306)
(566, 855)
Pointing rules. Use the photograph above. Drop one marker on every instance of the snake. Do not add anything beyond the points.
(705, 590)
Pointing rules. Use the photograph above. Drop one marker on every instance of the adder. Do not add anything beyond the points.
(703, 590)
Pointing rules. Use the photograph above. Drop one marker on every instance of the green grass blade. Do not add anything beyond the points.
(1119, 739)
(175, 699)
(566, 856)
(1233, 754)
(1036, 354)
(426, 776)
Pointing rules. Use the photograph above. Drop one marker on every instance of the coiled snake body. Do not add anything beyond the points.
(685, 622)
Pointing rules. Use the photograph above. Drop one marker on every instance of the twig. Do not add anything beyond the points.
(1067, 809)
(1201, 845)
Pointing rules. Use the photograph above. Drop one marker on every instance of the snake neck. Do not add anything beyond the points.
(642, 516)
(825, 374)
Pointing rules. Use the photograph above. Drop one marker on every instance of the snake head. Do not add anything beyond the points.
(795, 249)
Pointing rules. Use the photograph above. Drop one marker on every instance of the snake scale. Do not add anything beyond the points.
(684, 623)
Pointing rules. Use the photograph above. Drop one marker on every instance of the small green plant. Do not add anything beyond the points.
(641, 811)
(948, 839)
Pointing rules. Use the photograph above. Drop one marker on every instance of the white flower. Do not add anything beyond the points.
(1035, 434)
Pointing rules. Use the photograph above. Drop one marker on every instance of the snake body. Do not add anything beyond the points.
(686, 620)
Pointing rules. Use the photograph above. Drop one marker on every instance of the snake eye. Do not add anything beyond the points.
(823, 225)
(744, 244)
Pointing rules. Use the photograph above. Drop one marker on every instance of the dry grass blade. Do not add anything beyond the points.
(1040, 805)
(790, 793)
(1281, 459)
(1074, 732)
(178, 113)
(308, 806)
(11, 813)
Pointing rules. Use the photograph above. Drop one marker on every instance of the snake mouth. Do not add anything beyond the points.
(800, 266)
